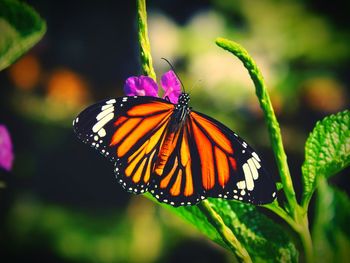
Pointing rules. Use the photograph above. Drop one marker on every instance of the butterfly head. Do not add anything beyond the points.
(184, 99)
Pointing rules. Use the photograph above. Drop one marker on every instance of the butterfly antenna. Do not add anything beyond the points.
(172, 67)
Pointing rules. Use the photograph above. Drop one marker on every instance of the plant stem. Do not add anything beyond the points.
(304, 233)
(225, 232)
(294, 215)
(145, 47)
(270, 118)
(300, 225)
(274, 207)
(307, 244)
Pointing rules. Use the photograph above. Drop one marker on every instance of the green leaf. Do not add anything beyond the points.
(327, 151)
(21, 27)
(264, 240)
(331, 232)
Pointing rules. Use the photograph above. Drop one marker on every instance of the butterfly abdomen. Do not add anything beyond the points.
(164, 152)
(178, 118)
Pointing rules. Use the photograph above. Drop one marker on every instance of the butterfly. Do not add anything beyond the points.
(179, 155)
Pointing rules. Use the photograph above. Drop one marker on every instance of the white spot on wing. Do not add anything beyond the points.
(105, 107)
(253, 169)
(104, 113)
(257, 164)
(102, 122)
(256, 156)
(248, 177)
(241, 185)
(102, 132)
(111, 101)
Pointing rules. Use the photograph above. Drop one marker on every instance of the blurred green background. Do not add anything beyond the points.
(62, 204)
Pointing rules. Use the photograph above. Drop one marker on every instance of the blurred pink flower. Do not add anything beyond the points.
(146, 86)
(6, 153)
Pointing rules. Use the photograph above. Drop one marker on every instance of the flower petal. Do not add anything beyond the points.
(6, 153)
(141, 86)
(171, 85)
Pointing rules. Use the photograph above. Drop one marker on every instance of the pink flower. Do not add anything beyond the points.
(6, 153)
(141, 86)
(146, 86)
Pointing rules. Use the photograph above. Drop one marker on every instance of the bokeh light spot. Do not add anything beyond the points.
(25, 73)
(68, 88)
(324, 94)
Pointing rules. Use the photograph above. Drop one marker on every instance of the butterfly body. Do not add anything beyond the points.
(181, 110)
(178, 155)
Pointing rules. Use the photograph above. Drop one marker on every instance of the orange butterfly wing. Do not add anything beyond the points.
(229, 167)
(129, 131)
(206, 159)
